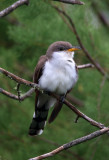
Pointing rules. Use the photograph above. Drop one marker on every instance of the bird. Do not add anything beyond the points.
(56, 72)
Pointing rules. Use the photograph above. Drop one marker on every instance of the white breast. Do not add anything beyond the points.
(59, 74)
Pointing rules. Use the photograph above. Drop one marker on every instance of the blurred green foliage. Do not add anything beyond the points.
(25, 35)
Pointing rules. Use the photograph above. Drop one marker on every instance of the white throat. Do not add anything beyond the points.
(63, 55)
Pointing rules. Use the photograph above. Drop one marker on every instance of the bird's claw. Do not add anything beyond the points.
(62, 99)
(47, 92)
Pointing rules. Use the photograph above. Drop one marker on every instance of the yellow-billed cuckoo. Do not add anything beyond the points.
(55, 72)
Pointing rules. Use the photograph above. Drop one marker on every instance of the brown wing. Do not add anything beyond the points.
(39, 68)
(55, 111)
(37, 74)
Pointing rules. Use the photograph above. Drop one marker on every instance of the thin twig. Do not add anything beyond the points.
(17, 79)
(82, 115)
(72, 143)
(97, 65)
(71, 2)
(84, 66)
(77, 118)
(100, 14)
(15, 5)
(15, 97)
(18, 87)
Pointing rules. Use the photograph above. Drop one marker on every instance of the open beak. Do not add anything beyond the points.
(76, 48)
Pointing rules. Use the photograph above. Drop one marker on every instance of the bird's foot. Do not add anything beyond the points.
(47, 92)
(62, 98)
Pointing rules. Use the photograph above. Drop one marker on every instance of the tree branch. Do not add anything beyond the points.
(30, 84)
(84, 66)
(79, 113)
(36, 86)
(77, 156)
(19, 3)
(72, 107)
(73, 143)
(16, 97)
(15, 5)
(71, 1)
(97, 65)
(17, 79)
(100, 14)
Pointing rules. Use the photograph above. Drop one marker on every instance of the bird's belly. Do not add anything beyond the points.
(58, 80)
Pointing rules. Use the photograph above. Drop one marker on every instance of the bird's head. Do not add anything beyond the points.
(62, 47)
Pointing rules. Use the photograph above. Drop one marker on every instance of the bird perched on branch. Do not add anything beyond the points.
(55, 72)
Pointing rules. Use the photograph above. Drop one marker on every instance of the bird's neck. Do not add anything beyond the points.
(60, 59)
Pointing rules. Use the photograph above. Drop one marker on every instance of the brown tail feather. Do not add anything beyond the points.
(55, 111)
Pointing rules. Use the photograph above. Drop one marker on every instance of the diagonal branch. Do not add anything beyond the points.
(72, 143)
(79, 113)
(77, 156)
(100, 14)
(17, 79)
(15, 5)
(71, 1)
(97, 65)
(36, 86)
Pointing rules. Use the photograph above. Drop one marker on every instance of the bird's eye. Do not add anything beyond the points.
(61, 49)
